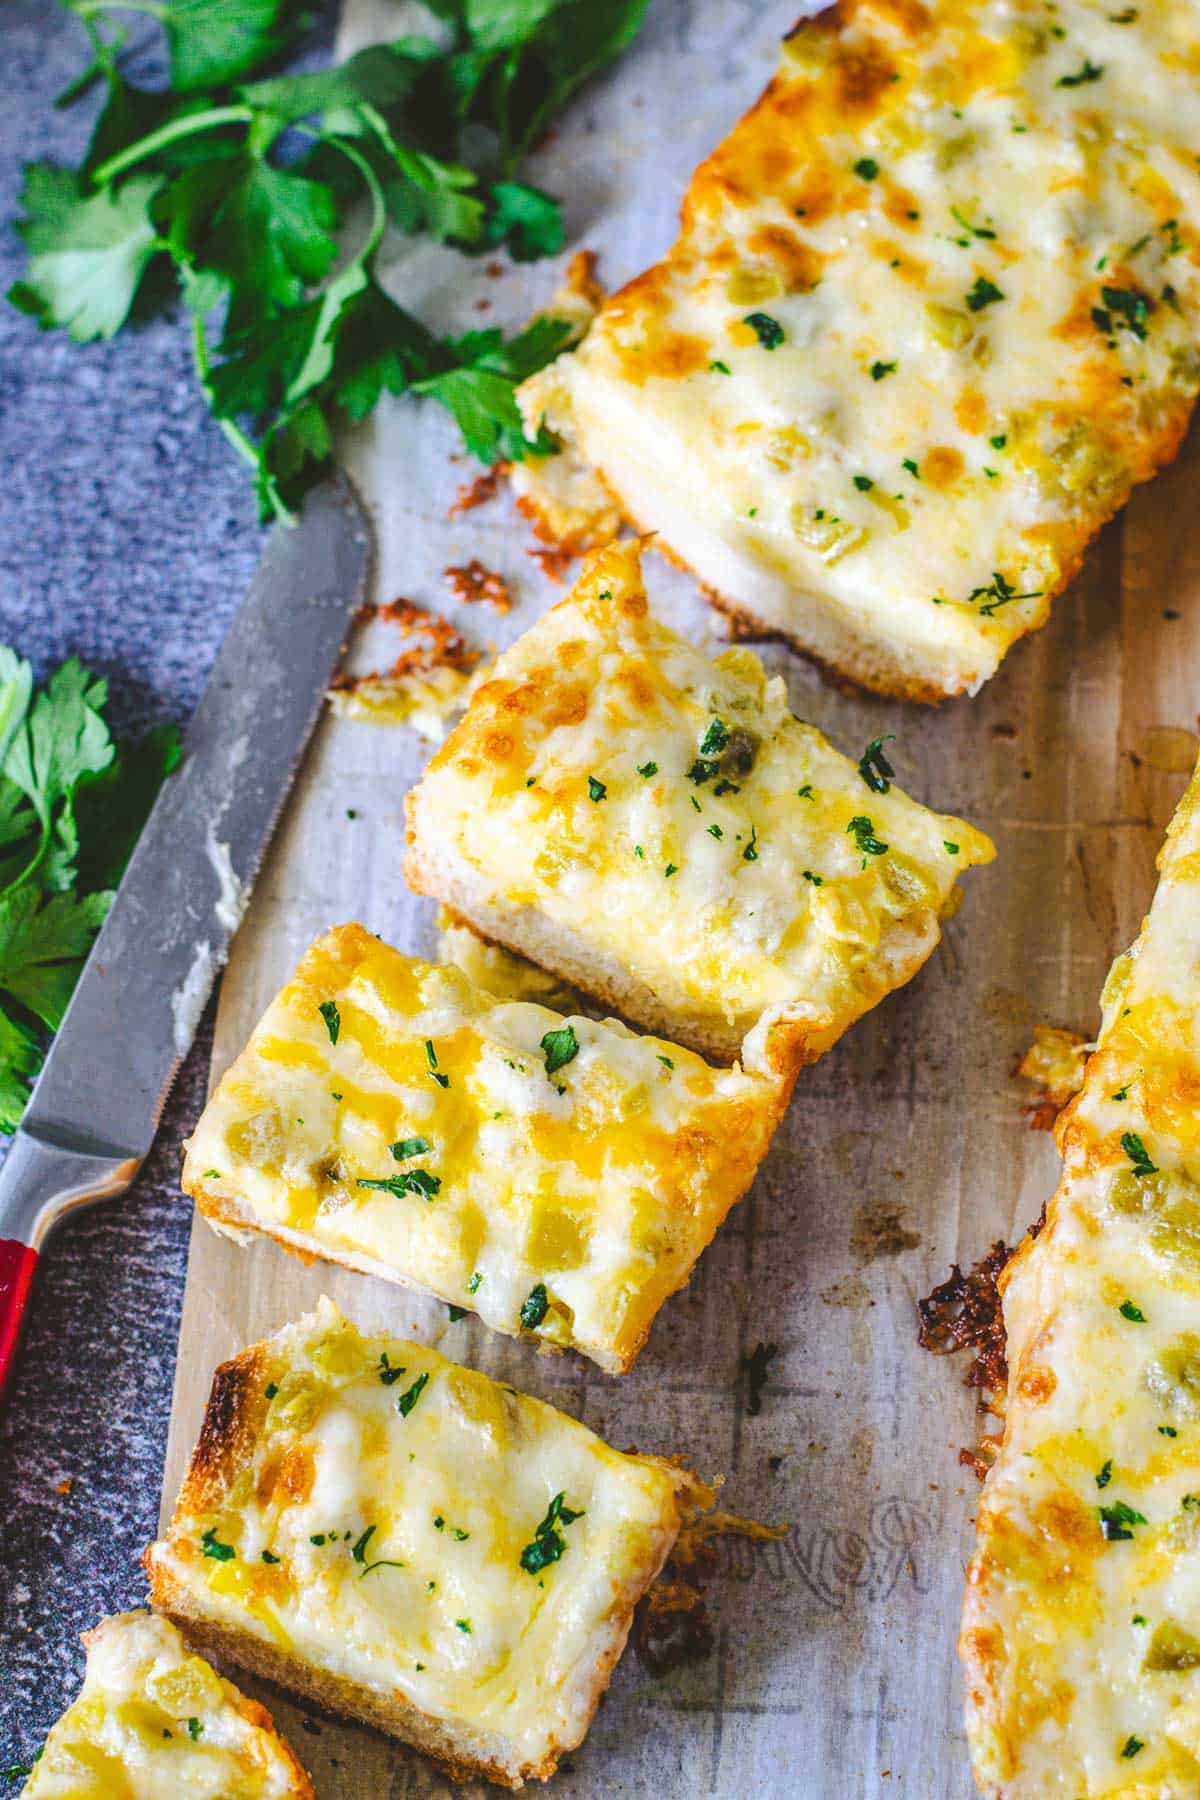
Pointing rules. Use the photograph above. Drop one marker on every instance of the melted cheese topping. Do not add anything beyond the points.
(592, 1186)
(932, 313)
(373, 1515)
(154, 1722)
(1081, 1632)
(669, 811)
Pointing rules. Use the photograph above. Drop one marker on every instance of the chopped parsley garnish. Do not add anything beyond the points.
(949, 848)
(665, 1061)
(1123, 307)
(750, 853)
(863, 483)
(548, 1540)
(981, 293)
(1128, 1310)
(443, 1081)
(473, 1284)
(715, 831)
(1137, 1153)
(1167, 1431)
(768, 331)
(271, 1390)
(332, 1017)
(817, 880)
(414, 1146)
(456, 1313)
(1190, 1502)
(409, 1181)
(213, 1546)
(195, 1729)
(408, 1399)
(559, 1048)
(880, 369)
(389, 1372)
(1121, 1093)
(647, 769)
(464, 1625)
(1090, 71)
(1105, 1475)
(1132, 1744)
(867, 168)
(974, 231)
(874, 766)
(997, 593)
(596, 790)
(717, 367)
(359, 1553)
(1117, 1521)
(671, 869)
(715, 739)
(805, 792)
(912, 468)
(863, 832)
(269, 1556)
(535, 1307)
(998, 442)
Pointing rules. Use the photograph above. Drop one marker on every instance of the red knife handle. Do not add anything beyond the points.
(17, 1263)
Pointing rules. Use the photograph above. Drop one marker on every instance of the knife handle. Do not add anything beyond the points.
(17, 1264)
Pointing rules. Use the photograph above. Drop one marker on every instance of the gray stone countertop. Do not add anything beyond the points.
(127, 535)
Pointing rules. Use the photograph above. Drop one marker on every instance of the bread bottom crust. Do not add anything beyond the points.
(462, 1751)
(791, 1042)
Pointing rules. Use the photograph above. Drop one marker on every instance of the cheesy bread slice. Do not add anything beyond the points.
(655, 826)
(556, 1175)
(1081, 1629)
(931, 314)
(155, 1722)
(411, 1544)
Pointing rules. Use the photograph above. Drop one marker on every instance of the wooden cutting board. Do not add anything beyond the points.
(907, 1148)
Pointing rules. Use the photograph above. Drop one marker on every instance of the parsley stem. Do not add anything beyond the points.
(233, 433)
(158, 140)
(86, 9)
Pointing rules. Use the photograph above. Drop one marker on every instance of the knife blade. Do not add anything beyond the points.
(99, 1097)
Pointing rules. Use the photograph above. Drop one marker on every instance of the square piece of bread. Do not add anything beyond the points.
(1081, 1627)
(411, 1544)
(557, 1175)
(654, 825)
(932, 313)
(155, 1722)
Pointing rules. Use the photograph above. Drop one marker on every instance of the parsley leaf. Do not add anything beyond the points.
(981, 293)
(874, 766)
(1117, 1521)
(768, 331)
(328, 1010)
(863, 832)
(535, 1307)
(559, 1048)
(287, 335)
(1089, 71)
(87, 252)
(71, 805)
(1137, 1153)
(548, 1541)
(411, 1181)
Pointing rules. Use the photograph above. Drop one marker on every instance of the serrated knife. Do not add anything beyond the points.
(98, 1100)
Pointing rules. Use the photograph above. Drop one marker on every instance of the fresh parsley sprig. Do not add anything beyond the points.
(71, 805)
(268, 199)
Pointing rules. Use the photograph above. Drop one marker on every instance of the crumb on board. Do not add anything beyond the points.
(474, 583)
(1054, 1063)
(965, 1312)
(554, 560)
(429, 680)
(671, 1626)
(480, 491)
